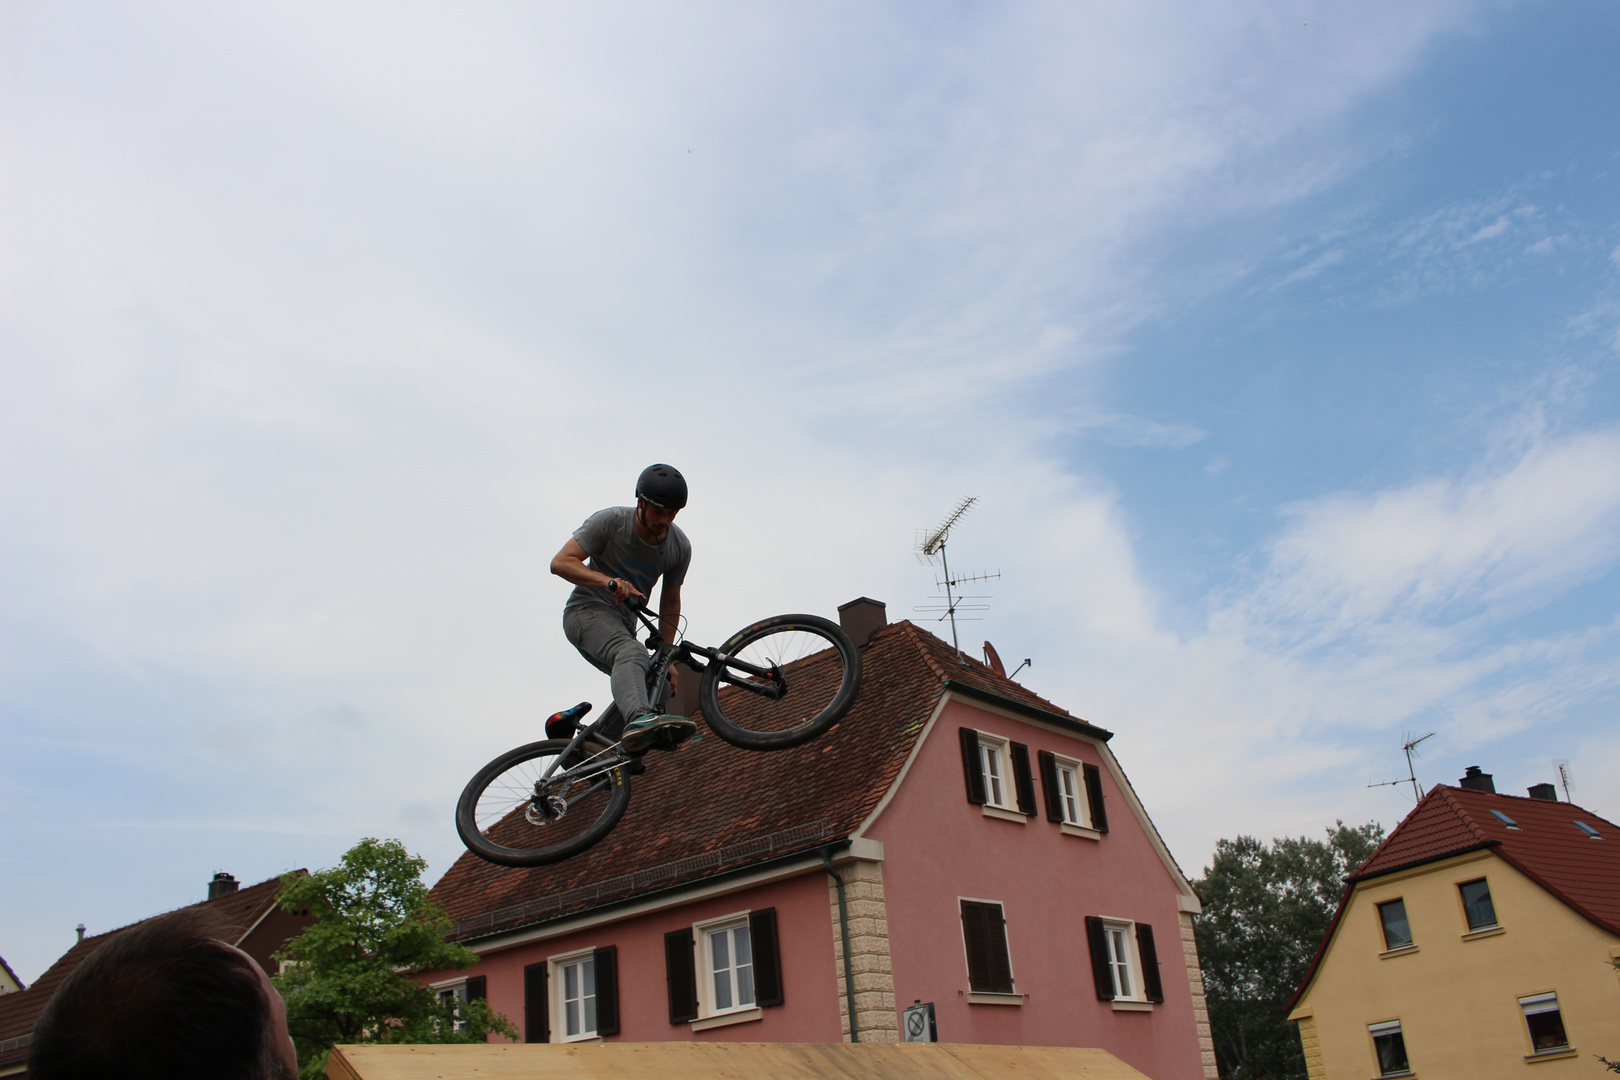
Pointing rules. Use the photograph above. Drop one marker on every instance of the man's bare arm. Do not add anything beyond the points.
(669, 611)
(569, 564)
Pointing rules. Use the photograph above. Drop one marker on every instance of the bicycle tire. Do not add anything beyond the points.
(819, 674)
(492, 813)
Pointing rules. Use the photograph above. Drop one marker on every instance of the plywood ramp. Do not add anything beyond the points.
(726, 1061)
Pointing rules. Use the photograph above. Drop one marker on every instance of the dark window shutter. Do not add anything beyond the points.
(985, 933)
(680, 969)
(1094, 796)
(767, 958)
(1101, 973)
(1023, 782)
(1150, 962)
(607, 990)
(972, 769)
(1049, 785)
(477, 988)
(536, 1014)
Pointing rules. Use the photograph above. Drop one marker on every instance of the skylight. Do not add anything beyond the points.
(1504, 819)
(1588, 830)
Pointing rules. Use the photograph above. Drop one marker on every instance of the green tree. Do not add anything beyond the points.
(1266, 909)
(346, 977)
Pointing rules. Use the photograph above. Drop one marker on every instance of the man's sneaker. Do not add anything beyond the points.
(656, 729)
(562, 725)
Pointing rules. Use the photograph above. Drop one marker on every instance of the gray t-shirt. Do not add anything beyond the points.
(609, 538)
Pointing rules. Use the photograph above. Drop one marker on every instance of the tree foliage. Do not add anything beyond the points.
(346, 978)
(1266, 910)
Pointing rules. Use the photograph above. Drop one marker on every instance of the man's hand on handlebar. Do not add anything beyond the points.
(622, 590)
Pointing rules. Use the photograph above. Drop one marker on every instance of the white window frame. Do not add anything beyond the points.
(704, 931)
(1076, 778)
(999, 792)
(1132, 960)
(557, 997)
(455, 988)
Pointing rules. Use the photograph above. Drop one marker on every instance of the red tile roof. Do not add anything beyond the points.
(241, 910)
(1544, 844)
(712, 808)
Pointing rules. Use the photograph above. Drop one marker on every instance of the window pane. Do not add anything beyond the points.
(571, 982)
(1477, 903)
(590, 1013)
(722, 990)
(1071, 802)
(1396, 933)
(742, 946)
(745, 986)
(590, 978)
(992, 773)
(1119, 958)
(720, 952)
(1547, 1030)
(571, 1017)
(1391, 1050)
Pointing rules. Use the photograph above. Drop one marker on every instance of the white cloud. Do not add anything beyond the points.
(333, 328)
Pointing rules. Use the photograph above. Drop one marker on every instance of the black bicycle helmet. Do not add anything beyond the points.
(663, 486)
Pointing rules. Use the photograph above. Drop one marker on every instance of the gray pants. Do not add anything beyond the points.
(602, 637)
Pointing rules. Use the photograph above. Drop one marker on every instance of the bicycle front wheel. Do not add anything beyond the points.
(781, 682)
(532, 807)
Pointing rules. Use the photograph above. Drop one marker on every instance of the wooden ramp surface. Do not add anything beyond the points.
(726, 1061)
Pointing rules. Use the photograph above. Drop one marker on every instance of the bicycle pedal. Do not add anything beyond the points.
(672, 737)
(636, 766)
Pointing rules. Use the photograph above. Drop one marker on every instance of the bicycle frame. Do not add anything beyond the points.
(768, 682)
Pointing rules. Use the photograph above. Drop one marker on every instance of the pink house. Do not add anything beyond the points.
(956, 841)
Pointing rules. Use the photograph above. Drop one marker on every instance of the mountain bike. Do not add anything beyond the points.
(774, 685)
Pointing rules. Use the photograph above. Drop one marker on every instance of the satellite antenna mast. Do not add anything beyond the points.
(1565, 777)
(931, 545)
(1410, 745)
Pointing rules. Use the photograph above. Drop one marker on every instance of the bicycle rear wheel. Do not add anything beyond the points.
(514, 814)
(781, 682)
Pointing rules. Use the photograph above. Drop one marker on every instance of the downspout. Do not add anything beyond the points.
(843, 926)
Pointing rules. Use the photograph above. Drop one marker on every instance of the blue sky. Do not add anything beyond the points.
(1277, 340)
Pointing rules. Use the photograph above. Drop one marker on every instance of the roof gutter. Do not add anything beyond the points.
(1068, 723)
(1384, 871)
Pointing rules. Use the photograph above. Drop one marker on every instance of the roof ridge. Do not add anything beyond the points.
(912, 634)
(1462, 814)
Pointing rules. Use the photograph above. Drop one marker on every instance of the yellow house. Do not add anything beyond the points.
(1475, 942)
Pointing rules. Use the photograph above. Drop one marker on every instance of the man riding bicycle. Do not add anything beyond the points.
(629, 548)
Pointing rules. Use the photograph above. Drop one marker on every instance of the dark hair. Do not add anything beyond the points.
(164, 1000)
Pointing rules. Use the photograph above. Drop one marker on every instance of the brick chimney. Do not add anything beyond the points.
(1475, 780)
(1544, 791)
(222, 885)
(861, 618)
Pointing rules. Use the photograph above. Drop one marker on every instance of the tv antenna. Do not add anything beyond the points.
(1410, 745)
(1565, 778)
(931, 545)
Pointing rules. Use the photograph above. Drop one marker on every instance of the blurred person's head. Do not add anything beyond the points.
(165, 999)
